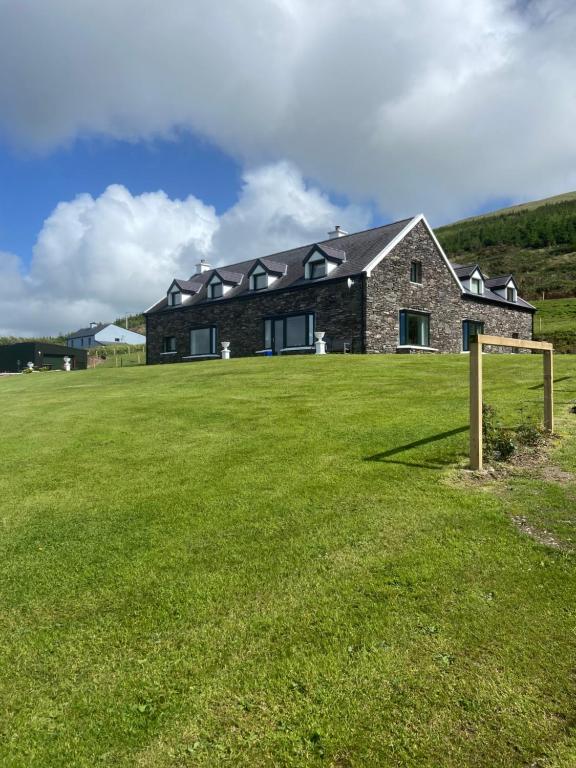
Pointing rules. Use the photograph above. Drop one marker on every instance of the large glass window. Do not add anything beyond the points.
(317, 269)
(289, 331)
(296, 331)
(414, 329)
(470, 328)
(203, 341)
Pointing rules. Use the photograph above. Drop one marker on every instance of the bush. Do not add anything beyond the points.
(529, 433)
(498, 441)
(503, 445)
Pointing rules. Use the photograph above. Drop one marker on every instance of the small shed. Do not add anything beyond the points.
(15, 357)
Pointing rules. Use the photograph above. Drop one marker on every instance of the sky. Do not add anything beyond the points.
(137, 137)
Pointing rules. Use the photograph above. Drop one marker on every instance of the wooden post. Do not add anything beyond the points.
(548, 391)
(475, 405)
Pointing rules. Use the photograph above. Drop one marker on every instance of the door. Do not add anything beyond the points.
(278, 336)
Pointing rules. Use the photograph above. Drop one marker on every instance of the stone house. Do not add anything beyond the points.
(387, 289)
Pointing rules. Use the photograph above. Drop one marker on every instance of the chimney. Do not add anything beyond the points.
(337, 233)
(202, 266)
(93, 324)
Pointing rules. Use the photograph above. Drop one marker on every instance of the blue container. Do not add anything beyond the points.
(268, 353)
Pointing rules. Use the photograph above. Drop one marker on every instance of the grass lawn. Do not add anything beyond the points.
(555, 315)
(272, 562)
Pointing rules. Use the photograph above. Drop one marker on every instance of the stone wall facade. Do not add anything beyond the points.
(365, 316)
(337, 309)
(389, 290)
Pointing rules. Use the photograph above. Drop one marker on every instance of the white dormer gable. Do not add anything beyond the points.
(180, 292)
(174, 296)
(508, 291)
(475, 282)
(264, 275)
(319, 263)
(260, 279)
(222, 283)
(216, 287)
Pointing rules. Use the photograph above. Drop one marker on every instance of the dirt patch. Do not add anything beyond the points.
(528, 462)
(541, 536)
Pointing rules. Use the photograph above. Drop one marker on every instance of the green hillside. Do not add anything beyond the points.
(274, 562)
(536, 242)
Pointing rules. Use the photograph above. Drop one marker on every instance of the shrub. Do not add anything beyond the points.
(499, 443)
(529, 433)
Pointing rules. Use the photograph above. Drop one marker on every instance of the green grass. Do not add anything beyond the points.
(555, 321)
(557, 315)
(273, 563)
(535, 242)
(530, 206)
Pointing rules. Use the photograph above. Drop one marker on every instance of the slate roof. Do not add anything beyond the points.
(359, 248)
(229, 276)
(189, 286)
(500, 281)
(354, 252)
(88, 331)
(464, 271)
(272, 266)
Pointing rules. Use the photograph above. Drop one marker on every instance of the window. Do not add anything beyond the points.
(414, 329)
(476, 285)
(416, 272)
(259, 281)
(169, 344)
(470, 328)
(289, 331)
(317, 269)
(174, 298)
(203, 341)
(510, 293)
(215, 290)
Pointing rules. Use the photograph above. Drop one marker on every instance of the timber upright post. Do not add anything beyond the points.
(475, 404)
(476, 345)
(548, 390)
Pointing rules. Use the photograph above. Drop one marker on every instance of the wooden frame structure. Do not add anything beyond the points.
(476, 345)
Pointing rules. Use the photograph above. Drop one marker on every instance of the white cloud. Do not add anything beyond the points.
(418, 105)
(97, 258)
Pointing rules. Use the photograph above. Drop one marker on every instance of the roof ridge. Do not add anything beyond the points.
(308, 245)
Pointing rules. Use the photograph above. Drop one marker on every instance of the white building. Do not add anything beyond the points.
(100, 334)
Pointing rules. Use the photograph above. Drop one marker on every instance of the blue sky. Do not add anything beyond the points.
(32, 183)
(138, 137)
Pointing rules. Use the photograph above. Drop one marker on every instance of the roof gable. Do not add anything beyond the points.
(270, 267)
(335, 255)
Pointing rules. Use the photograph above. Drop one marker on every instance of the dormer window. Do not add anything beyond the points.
(259, 281)
(265, 273)
(216, 290)
(511, 293)
(321, 261)
(222, 282)
(174, 298)
(476, 285)
(317, 269)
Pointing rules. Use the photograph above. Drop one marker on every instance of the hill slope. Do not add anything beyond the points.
(536, 242)
(269, 562)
